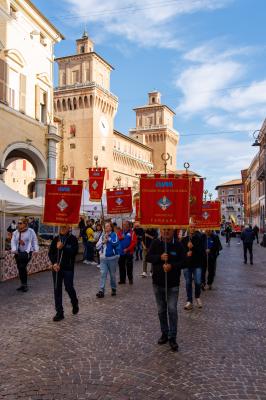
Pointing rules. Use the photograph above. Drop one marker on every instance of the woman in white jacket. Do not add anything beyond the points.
(23, 243)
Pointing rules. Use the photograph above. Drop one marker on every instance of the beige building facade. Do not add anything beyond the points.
(27, 128)
(231, 196)
(86, 109)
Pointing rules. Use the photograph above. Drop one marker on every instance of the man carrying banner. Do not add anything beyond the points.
(62, 253)
(167, 258)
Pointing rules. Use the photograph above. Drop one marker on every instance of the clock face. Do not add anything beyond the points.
(104, 126)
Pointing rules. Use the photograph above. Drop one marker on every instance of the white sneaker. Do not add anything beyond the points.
(188, 306)
(98, 265)
(144, 274)
(199, 303)
(86, 262)
(93, 263)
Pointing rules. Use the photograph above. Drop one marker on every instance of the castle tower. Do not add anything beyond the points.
(154, 128)
(87, 108)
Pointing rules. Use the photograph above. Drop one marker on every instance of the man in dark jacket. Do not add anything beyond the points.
(256, 233)
(167, 258)
(62, 253)
(193, 266)
(247, 236)
(212, 247)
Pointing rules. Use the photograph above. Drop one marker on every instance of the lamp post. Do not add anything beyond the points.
(205, 192)
(210, 196)
(259, 143)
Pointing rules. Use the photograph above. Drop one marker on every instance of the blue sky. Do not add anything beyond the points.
(206, 57)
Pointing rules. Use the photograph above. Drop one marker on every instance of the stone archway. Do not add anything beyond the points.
(28, 152)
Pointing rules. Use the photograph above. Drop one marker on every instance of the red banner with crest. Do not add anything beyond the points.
(119, 201)
(96, 181)
(164, 201)
(62, 203)
(196, 196)
(210, 218)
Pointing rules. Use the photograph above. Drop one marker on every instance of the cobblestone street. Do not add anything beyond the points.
(109, 350)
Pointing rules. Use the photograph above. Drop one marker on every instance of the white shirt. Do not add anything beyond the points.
(29, 238)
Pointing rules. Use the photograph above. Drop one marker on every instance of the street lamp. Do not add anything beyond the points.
(205, 192)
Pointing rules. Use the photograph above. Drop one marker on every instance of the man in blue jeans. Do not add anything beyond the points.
(167, 257)
(194, 249)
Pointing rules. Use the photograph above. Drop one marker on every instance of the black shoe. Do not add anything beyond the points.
(100, 294)
(136, 259)
(58, 317)
(113, 292)
(251, 262)
(24, 288)
(173, 344)
(163, 339)
(130, 282)
(121, 283)
(20, 289)
(75, 309)
(245, 262)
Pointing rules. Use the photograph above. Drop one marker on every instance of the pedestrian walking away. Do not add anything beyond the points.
(139, 233)
(23, 243)
(193, 266)
(108, 247)
(247, 237)
(256, 233)
(62, 253)
(167, 258)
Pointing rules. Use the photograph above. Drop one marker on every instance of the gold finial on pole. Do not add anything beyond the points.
(165, 157)
(205, 192)
(210, 196)
(96, 158)
(186, 166)
(118, 179)
(64, 170)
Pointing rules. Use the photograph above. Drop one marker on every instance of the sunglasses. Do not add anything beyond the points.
(20, 223)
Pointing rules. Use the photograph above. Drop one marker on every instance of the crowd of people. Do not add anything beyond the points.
(170, 254)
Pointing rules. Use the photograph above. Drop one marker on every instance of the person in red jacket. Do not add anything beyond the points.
(128, 241)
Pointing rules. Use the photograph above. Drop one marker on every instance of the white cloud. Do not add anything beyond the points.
(145, 22)
(199, 84)
(217, 158)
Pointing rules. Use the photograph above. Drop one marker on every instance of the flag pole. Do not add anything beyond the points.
(165, 157)
(96, 163)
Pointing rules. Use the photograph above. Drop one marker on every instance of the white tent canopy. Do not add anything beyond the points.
(11, 202)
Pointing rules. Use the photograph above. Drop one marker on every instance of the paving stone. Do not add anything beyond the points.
(109, 350)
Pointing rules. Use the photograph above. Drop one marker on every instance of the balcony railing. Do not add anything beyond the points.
(86, 85)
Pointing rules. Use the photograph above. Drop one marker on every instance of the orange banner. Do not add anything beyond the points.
(119, 201)
(210, 217)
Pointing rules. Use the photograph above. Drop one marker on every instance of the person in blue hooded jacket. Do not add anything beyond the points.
(108, 247)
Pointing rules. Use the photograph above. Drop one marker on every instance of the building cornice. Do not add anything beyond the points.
(84, 55)
(134, 141)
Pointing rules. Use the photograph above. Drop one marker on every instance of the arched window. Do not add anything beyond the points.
(86, 102)
(69, 104)
(80, 102)
(74, 103)
(58, 105)
(64, 105)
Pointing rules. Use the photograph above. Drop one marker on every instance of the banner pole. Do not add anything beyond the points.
(165, 158)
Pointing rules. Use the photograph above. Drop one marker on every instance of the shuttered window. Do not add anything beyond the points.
(3, 81)
(22, 94)
(37, 103)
